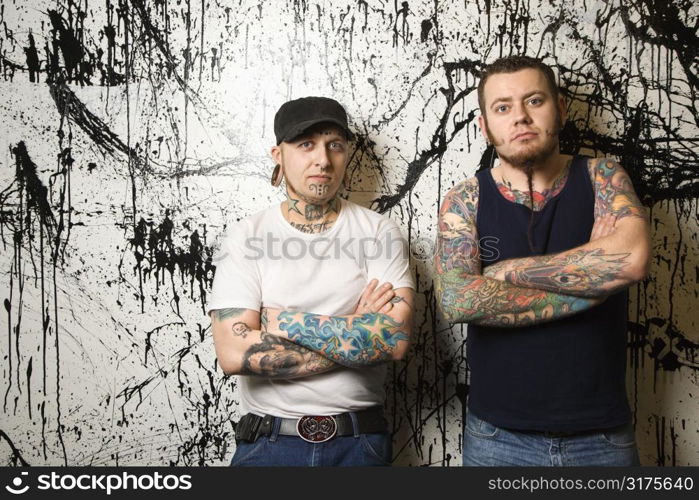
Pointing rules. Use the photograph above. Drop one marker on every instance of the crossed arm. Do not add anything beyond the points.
(287, 344)
(602, 266)
(243, 348)
(519, 292)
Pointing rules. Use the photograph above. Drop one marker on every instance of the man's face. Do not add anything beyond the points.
(314, 164)
(522, 118)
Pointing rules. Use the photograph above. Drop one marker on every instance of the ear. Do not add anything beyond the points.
(278, 172)
(562, 109)
(483, 126)
(276, 154)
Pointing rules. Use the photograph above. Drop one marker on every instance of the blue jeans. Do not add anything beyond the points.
(488, 445)
(366, 450)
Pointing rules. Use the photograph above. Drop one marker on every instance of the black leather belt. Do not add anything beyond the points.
(313, 428)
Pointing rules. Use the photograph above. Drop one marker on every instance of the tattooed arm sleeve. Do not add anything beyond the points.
(601, 266)
(464, 295)
(242, 348)
(353, 340)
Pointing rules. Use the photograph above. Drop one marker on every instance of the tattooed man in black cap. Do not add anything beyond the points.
(297, 310)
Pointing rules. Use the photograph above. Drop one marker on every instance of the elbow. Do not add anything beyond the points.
(641, 272)
(401, 350)
(448, 313)
(640, 266)
(452, 314)
(640, 252)
(229, 353)
(444, 305)
(229, 366)
(227, 369)
(402, 343)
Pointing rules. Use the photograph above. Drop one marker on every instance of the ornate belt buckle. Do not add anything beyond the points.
(316, 429)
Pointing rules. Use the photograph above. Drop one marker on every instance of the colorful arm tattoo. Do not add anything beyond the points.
(484, 301)
(467, 296)
(353, 340)
(270, 356)
(584, 273)
(588, 272)
(614, 193)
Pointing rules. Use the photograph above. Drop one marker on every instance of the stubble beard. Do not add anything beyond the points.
(527, 159)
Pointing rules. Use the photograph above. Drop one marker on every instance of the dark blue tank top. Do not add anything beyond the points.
(565, 375)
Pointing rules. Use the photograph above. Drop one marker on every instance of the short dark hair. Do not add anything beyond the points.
(511, 64)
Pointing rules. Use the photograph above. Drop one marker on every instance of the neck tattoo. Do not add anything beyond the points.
(540, 198)
(311, 218)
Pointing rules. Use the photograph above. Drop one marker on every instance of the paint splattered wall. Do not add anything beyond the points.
(134, 131)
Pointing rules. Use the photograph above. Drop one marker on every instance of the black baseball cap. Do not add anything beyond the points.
(295, 117)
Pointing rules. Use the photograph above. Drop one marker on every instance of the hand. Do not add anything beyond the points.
(490, 271)
(496, 271)
(604, 226)
(375, 298)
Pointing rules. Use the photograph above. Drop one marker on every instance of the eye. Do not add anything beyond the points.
(337, 146)
(305, 145)
(536, 101)
(501, 108)
(567, 279)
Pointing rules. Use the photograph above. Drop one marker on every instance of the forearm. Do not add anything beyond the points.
(353, 340)
(596, 269)
(486, 301)
(241, 350)
(604, 265)
(273, 357)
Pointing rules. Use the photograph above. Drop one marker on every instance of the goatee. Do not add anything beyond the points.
(526, 159)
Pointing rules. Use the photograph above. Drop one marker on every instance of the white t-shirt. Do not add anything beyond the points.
(265, 262)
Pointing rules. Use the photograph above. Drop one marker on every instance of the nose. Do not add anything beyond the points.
(322, 159)
(520, 114)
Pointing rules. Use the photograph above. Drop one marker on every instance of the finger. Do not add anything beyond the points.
(369, 288)
(387, 307)
(365, 299)
(378, 293)
(383, 300)
(368, 292)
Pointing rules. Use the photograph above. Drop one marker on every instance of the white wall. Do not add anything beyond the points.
(158, 139)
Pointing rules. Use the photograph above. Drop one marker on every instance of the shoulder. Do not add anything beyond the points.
(357, 212)
(466, 188)
(607, 173)
(237, 231)
(369, 221)
(614, 191)
(462, 199)
(604, 167)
